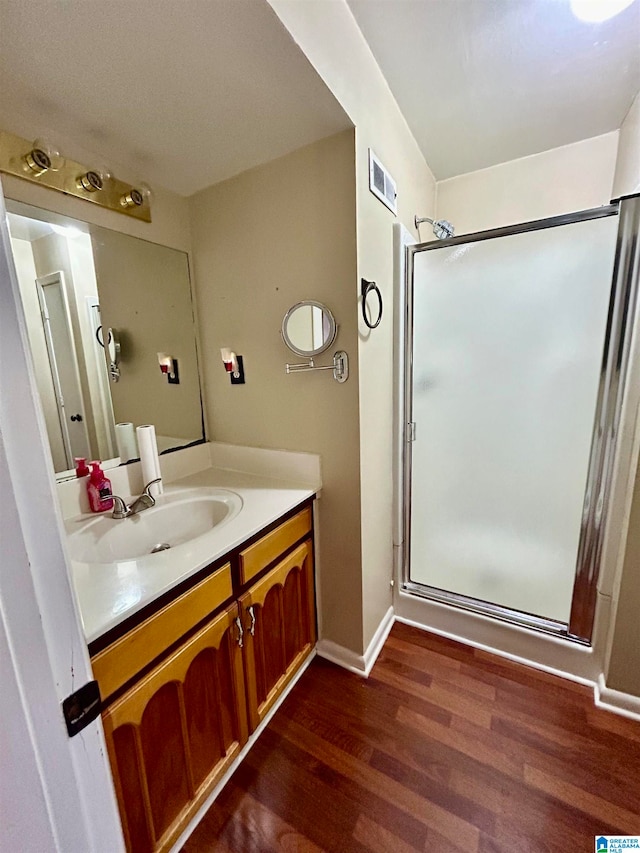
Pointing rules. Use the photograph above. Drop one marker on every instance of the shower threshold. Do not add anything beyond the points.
(492, 610)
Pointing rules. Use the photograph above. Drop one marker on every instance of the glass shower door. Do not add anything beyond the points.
(506, 353)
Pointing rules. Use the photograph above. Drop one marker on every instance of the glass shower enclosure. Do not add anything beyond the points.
(517, 342)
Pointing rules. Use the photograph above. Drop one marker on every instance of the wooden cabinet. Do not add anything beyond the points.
(186, 692)
(122, 660)
(260, 554)
(278, 613)
(173, 735)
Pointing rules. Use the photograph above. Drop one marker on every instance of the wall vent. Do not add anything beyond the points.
(382, 184)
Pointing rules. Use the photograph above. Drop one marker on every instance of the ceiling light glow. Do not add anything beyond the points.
(595, 11)
(66, 231)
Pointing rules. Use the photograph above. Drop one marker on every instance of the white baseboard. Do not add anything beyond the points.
(378, 640)
(500, 653)
(360, 664)
(181, 841)
(616, 702)
(620, 703)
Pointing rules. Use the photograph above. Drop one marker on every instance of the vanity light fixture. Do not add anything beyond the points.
(94, 180)
(169, 367)
(43, 157)
(40, 162)
(233, 365)
(137, 196)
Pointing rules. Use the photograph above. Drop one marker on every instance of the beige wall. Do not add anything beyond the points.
(624, 661)
(562, 180)
(262, 241)
(332, 41)
(627, 177)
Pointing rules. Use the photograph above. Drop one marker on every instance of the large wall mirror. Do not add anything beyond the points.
(78, 282)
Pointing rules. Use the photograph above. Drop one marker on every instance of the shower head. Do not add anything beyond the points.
(441, 228)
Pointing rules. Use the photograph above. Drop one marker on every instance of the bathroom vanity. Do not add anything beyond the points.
(189, 665)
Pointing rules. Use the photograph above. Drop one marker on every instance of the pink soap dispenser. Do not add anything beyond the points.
(82, 469)
(99, 490)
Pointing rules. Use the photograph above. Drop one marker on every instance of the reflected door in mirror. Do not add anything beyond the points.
(69, 426)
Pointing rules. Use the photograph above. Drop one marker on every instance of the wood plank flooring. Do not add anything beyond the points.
(444, 748)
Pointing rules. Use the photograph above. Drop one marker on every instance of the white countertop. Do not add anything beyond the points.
(108, 593)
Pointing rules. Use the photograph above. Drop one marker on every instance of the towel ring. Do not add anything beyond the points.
(366, 288)
(100, 336)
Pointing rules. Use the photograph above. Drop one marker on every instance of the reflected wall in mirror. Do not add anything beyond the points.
(309, 328)
(77, 281)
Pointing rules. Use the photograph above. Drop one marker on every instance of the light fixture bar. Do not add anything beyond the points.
(75, 179)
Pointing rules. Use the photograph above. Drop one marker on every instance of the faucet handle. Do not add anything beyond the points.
(120, 509)
(147, 488)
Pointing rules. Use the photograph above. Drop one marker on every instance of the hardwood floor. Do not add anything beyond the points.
(443, 748)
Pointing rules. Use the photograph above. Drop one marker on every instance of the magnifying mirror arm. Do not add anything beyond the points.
(309, 365)
(340, 366)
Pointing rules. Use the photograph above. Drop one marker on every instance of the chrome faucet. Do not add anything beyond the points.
(120, 509)
(145, 501)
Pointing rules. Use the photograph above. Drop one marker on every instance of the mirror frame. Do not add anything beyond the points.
(333, 328)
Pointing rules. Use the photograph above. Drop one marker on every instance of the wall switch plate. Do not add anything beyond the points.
(238, 380)
(173, 378)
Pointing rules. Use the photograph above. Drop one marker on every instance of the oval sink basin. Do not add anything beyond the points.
(176, 519)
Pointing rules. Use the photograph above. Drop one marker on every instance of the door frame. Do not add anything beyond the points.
(41, 283)
(41, 625)
(607, 423)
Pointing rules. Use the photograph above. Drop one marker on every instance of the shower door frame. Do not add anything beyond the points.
(614, 368)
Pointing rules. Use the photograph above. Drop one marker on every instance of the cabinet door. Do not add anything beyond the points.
(278, 614)
(173, 735)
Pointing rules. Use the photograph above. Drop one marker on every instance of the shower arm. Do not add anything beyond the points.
(441, 228)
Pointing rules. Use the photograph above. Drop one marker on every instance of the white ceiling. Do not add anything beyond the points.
(481, 82)
(184, 93)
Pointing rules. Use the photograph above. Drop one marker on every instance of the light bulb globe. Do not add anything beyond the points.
(597, 11)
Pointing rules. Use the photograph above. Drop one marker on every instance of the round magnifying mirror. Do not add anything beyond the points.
(309, 328)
